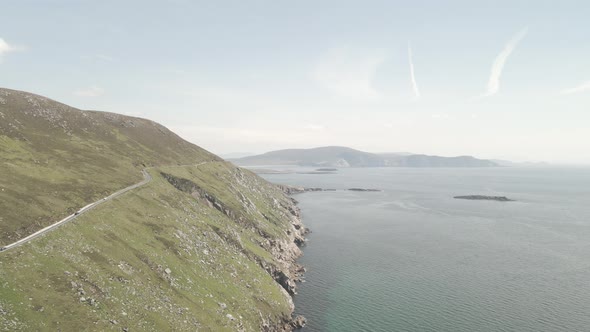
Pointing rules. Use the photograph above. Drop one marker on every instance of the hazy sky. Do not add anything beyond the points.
(495, 79)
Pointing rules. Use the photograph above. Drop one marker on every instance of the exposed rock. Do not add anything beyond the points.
(485, 198)
(363, 189)
(291, 190)
(298, 322)
(285, 281)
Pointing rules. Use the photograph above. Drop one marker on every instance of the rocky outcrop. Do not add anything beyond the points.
(287, 272)
(364, 189)
(485, 198)
(291, 190)
(298, 322)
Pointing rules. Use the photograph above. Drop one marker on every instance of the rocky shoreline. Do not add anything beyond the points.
(291, 190)
(291, 272)
(288, 252)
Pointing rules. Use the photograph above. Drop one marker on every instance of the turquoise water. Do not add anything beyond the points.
(412, 258)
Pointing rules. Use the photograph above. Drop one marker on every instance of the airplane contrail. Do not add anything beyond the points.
(498, 65)
(580, 88)
(412, 75)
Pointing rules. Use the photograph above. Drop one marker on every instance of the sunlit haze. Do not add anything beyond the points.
(504, 79)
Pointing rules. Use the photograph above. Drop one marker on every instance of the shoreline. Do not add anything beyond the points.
(290, 273)
(289, 253)
(292, 190)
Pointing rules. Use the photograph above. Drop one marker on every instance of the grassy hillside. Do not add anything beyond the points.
(206, 248)
(55, 159)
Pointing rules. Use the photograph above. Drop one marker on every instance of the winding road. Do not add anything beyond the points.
(146, 179)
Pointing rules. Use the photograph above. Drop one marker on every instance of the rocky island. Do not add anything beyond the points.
(291, 190)
(485, 198)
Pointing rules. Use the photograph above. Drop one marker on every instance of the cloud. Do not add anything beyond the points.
(500, 61)
(439, 116)
(313, 126)
(104, 57)
(7, 48)
(580, 88)
(92, 91)
(221, 138)
(347, 74)
(412, 75)
(100, 57)
(134, 113)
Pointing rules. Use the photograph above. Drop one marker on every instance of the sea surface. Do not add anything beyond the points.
(413, 258)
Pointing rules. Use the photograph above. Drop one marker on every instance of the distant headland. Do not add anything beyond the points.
(330, 157)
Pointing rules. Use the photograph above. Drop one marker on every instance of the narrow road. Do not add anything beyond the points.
(146, 179)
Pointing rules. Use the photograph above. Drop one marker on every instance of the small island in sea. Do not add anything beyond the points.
(485, 198)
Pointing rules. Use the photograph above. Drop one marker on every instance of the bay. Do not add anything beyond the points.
(413, 258)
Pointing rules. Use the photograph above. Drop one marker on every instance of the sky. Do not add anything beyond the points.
(494, 79)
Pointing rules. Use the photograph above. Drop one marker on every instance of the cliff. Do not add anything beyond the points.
(203, 246)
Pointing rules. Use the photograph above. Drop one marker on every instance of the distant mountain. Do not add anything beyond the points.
(337, 156)
(506, 163)
(333, 156)
(421, 160)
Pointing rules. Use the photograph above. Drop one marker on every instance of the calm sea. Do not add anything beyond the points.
(412, 258)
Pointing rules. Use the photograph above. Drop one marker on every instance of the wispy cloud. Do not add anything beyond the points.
(313, 126)
(93, 91)
(500, 61)
(100, 57)
(348, 74)
(580, 88)
(412, 75)
(7, 48)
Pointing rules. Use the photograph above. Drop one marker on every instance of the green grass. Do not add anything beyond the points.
(118, 253)
(55, 159)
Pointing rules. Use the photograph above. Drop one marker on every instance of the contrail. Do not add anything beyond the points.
(580, 88)
(5, 48)
(412, 75)
(498, 65)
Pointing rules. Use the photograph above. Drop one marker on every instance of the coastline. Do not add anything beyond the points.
(290, 273)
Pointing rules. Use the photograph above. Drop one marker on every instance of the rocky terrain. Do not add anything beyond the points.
(203, 246)
(291, 190)
(485, 198)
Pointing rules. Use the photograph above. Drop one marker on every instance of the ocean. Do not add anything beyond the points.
(413, 258)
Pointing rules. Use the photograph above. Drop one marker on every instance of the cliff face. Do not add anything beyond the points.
(207, 247)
